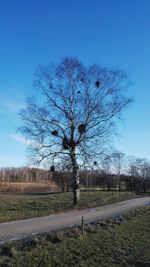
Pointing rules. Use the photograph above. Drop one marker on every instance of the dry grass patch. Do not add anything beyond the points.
(29, 187)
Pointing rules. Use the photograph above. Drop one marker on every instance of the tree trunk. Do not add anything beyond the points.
(67, 189)
(108, 185)
(119, 182)
(144, 187)
(75, 179)
(131, 185)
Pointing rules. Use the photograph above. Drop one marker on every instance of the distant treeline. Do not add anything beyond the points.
(88, 178)
(113, 181)
(24, 174)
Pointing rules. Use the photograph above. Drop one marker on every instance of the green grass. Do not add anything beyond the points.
(21, 206)
(115, 243)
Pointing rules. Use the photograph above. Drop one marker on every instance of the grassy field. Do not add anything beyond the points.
(119, 241)
(40, 187)
(21, 206)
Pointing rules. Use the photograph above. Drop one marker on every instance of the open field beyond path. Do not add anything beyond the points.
(20, 229)
(15, 206)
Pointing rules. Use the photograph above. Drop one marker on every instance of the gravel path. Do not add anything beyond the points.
(19, 229)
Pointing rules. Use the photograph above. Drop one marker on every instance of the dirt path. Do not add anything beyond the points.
(20, 229)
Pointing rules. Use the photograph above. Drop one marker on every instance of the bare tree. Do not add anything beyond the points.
(118, 162)
(76, 113)
(143, 172)
(106, 165)
(132, 169)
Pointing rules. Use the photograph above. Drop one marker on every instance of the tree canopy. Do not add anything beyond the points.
(76, 114)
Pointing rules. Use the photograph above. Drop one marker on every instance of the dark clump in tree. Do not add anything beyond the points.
(97, 83)
(52, 168)
(65, 143)
(81, 128)
(83, 116)
(55, 133)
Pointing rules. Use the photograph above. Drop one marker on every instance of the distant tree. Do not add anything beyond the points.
(139, 171)
(132, 169)
(143, 166)
(76, 113)
(62, 174)
(106, 165)
(118, 162)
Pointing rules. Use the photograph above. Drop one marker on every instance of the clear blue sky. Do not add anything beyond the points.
(108, 32)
